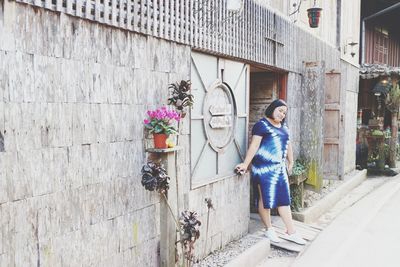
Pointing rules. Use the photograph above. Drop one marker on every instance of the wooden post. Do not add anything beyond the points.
(168, 230)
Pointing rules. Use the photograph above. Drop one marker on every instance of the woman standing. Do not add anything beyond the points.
(269, 150)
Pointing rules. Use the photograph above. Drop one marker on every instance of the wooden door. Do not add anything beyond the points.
(333, 128)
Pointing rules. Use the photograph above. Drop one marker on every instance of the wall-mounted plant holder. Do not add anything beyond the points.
(168, 208)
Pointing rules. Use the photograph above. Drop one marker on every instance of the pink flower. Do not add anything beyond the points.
(163, 117)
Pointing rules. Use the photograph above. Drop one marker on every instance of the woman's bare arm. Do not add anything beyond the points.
(290, 157)
(254, 145)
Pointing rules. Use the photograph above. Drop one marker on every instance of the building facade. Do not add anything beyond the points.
(380, 72)
(77, 77)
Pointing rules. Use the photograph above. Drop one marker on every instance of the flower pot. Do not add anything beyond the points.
(314, 14)
(160, 140)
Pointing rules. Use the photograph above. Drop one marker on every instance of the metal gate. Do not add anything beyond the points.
(219, 118)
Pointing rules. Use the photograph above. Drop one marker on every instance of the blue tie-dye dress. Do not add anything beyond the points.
(269, 165)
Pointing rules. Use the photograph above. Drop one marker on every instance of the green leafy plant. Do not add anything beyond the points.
(298, 168)
(377, 133)
(162, 120)
(296, 188)
(393, 98)
(296, 197)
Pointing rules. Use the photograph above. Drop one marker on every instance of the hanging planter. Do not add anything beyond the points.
(314, 14)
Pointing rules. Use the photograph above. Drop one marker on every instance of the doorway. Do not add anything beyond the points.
(265, 86)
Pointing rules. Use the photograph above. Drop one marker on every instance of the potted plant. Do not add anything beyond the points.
(180, 96)
(160, 123)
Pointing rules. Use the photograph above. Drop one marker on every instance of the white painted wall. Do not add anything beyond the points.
(350, 85)
(327, 26)
(350, 31)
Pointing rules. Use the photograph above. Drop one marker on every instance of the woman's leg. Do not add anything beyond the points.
(264, 213)
(286, 215)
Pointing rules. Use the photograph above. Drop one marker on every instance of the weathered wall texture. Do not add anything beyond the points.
(295, 103)
(350, 82)
(72, 99)
(229, 219)
(312, 121)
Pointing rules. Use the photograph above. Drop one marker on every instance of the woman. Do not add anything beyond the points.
(269, 149)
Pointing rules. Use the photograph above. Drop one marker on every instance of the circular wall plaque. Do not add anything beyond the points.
(220, 113)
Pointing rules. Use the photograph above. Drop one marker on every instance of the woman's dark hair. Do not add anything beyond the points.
(271, 108)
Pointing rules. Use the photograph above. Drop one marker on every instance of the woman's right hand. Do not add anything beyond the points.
(241, 168)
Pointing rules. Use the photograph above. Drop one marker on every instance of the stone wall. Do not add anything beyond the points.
(73, 95)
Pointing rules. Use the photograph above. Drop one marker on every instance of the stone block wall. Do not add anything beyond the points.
(73, 95)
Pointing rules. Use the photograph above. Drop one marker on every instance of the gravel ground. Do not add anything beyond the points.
(230, 251)
(234, 248)
(278, 253)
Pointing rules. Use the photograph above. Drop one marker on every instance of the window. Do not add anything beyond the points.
(381, 45)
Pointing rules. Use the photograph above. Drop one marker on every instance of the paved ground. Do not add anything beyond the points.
(365, 234)
(350, 207)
